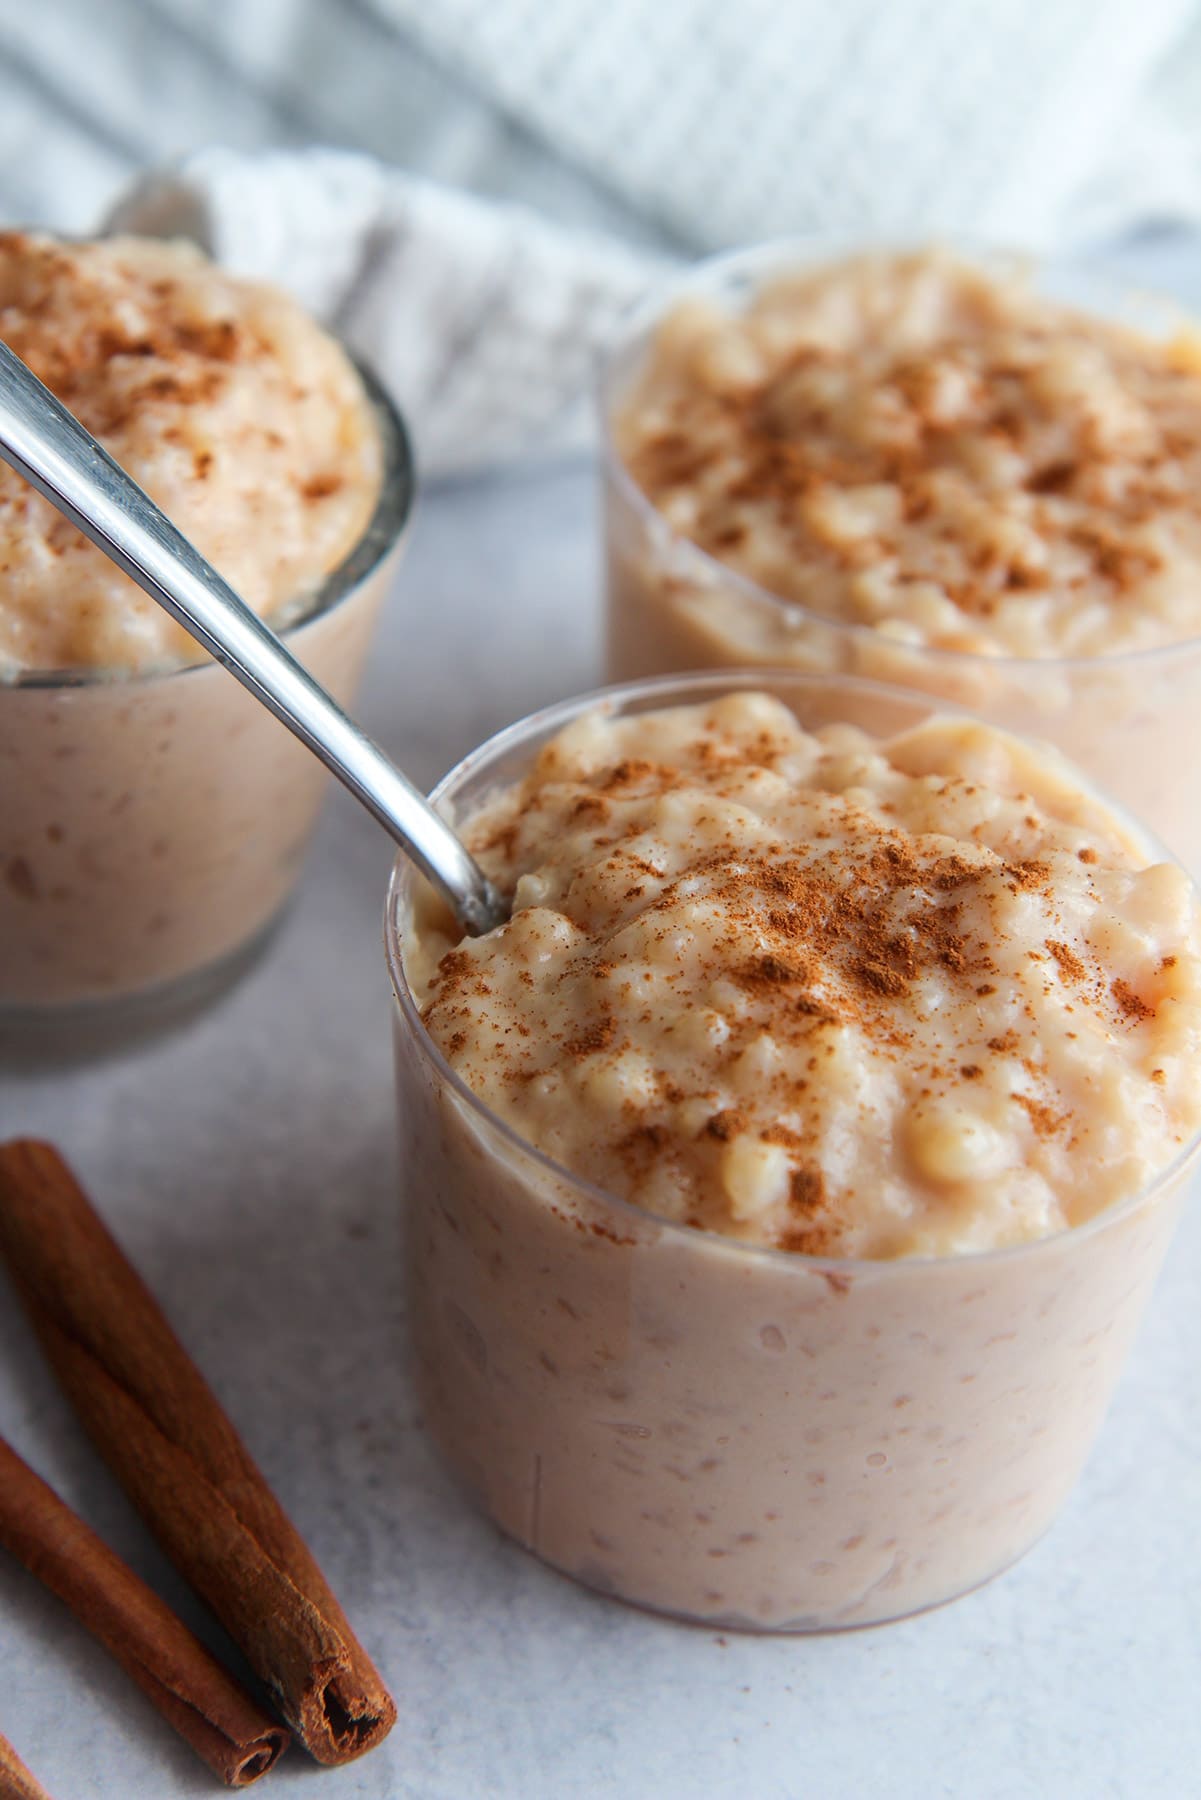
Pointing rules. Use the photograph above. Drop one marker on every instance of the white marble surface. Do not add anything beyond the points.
(248, 1165)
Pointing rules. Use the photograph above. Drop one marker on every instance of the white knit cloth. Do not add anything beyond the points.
(733, 122)
(712, 123)
(678, 122)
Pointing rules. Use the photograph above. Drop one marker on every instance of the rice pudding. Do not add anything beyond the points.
(236, 412)
(155, 814)
(779, 1265)
(924, 469)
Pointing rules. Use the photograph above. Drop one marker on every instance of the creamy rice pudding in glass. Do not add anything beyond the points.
(785, 1181)
(153, 815)
(970, 476)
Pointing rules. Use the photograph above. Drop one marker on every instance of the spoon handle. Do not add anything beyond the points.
(48, 446)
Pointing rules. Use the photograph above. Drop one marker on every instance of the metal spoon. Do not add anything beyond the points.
(46, 444)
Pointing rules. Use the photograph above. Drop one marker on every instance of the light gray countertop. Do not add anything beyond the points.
(248, 1164)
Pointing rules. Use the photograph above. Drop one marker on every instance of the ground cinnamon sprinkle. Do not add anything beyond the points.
(1044, 1118)
(1129, 1001)
(590, 806)
(633, 769)
(1070, 965)
(726, 1124)
(503, 842)
(879, 415)
(188, 376)
(185, 356)
(772, 971)
(817, 1010)
(455, 965)
(881, 979)
(596, 1036)
(1028, 876)
(782, 1134)
(807, 1191)
(853, 906)
(646, 1137)
(808, 1027)
(320, 487)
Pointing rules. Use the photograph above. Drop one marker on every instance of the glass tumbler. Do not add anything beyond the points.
(152, 825)
(1131, 721)
(742, 1436)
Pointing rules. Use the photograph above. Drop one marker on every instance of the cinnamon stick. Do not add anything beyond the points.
(16, 1781)
(171, 1666)
(160, 1428)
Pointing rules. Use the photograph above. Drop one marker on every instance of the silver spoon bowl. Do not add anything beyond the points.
(46, 444)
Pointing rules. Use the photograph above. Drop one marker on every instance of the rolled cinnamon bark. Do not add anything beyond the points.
(159, 1427)
(16, 1781)
(171, 1666)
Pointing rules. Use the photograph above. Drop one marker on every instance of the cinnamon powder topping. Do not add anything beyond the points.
(893, 425)
(239, 415)
(1130, 1003)
(1070, 965)
(807, 1191)
(726, 1124)
(810, 1028)
(1043, 1117)
(595, 1037)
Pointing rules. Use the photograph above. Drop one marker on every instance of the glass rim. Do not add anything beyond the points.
(386, 528)
(645, 313)
(617, 698)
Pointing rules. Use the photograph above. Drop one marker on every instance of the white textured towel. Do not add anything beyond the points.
(676, 122)
(730, 123)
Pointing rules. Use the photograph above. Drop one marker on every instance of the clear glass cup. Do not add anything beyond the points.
(729, 1434)
(1132, 721)
(153, 826)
